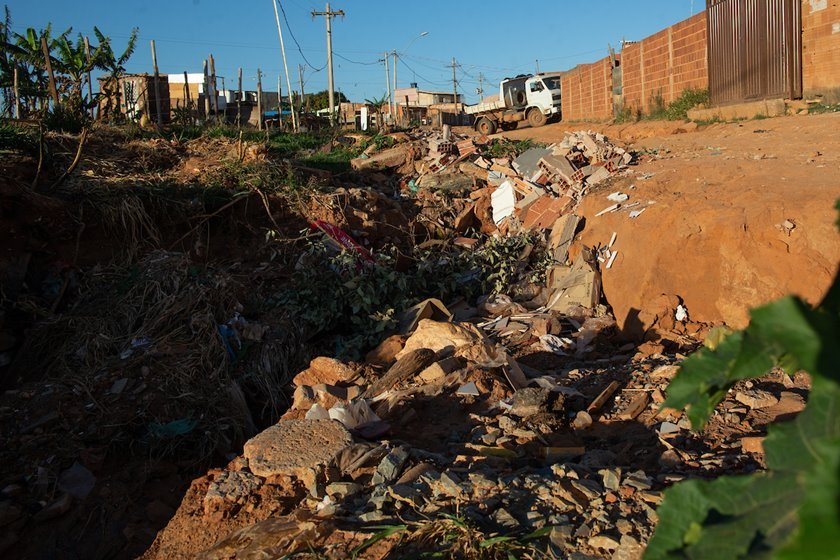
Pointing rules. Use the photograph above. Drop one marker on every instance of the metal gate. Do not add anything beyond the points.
(755, 50)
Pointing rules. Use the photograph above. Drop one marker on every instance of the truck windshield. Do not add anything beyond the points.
(552, 82)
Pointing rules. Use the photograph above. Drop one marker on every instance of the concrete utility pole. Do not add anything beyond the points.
(480, 87)
(302, 96)
(396, 101)
(538, 66)
(329, 14)
(285, 66)
(215, 89)
(455, 84)
(388, 83)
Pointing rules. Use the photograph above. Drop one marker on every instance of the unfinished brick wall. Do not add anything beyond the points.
(821, 47)
(666, 63)
(587, 92)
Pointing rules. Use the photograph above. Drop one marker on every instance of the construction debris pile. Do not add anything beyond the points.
(441, 423)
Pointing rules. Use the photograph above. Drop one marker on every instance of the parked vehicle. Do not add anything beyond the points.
(533, 98)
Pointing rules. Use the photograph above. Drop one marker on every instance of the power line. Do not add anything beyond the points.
(418, 74)
(292, 33)
(355, 61)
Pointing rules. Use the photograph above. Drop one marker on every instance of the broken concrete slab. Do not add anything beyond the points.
(296, 448)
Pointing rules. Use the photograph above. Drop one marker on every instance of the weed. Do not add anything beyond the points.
(688, 99)
(335, 293)
(504, 148)
(17, 138)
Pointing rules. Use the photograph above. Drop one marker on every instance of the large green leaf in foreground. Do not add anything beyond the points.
(791, 511)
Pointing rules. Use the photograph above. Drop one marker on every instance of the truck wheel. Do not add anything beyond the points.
(485, 126)
(509, 126)
(536, 118)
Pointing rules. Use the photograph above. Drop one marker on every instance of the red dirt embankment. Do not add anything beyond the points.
(716, 234)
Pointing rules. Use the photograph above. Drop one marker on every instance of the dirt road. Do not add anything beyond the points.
(735, 214)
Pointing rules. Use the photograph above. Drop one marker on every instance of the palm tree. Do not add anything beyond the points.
(113, 66)
(377, 105)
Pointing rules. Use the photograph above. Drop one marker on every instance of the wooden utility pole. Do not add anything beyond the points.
(329, 14)
(259, 101)
(50, 75)
(215, 91)
(239, 101)
(206, 94)
(285, 65)
(17, 94)
(90, 82)
(188, 95)
(157, 85)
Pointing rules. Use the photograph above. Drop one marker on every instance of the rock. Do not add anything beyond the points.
(582, 420)
(391, 466)
(386, 353)
(77, 481)
(415, 473)
(230, 487)
(756, 398)
(628, 549)
(611, 478)
(443, 338)
(789, 404)
(530, 401)
(298, 448)
(602, 542)
(506, 423)
(385, 159)
(441, 369)
(55, 509)
(752, 445)
(324, 370)
(342, 490)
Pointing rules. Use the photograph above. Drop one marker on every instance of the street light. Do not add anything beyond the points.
(404, 49)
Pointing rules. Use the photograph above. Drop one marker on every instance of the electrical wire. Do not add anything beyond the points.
(418, 74)
(289, 27)
(342, 57)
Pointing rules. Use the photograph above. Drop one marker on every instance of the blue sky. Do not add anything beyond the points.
(496, 38)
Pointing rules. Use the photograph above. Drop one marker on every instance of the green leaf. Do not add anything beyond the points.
(385, 532)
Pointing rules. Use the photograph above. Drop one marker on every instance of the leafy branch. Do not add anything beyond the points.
(793, 509)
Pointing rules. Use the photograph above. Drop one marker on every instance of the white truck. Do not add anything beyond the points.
(533, 98)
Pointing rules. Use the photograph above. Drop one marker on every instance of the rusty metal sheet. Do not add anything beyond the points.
(755, 50)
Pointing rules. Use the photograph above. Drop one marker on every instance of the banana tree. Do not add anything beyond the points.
(377, 105)
(24, 51)
(113, 66)
(74, 63)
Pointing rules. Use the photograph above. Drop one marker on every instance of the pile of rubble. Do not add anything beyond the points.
(442, 420)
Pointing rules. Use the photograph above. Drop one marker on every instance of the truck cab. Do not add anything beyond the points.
(538, 96)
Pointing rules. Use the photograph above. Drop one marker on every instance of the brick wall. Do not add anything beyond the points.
(821, 47)
(587, 92)
(666, 63)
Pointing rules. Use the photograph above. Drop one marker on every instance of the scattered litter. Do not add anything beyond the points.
(636, 213)
(468, 390)
(608, 209)
(618, 197)
(681, 314)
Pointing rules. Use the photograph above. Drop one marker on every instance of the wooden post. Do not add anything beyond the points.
(215, 91)
(239, 102)
(50, 75)
(259, 100)
(158, 112)
(188, 95)
(206, 94)
(279, 104)
(407, 122)
(17, 94)
(302, 95)
(90, 82)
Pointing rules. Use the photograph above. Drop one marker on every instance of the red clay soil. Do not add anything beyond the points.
(715, 235)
